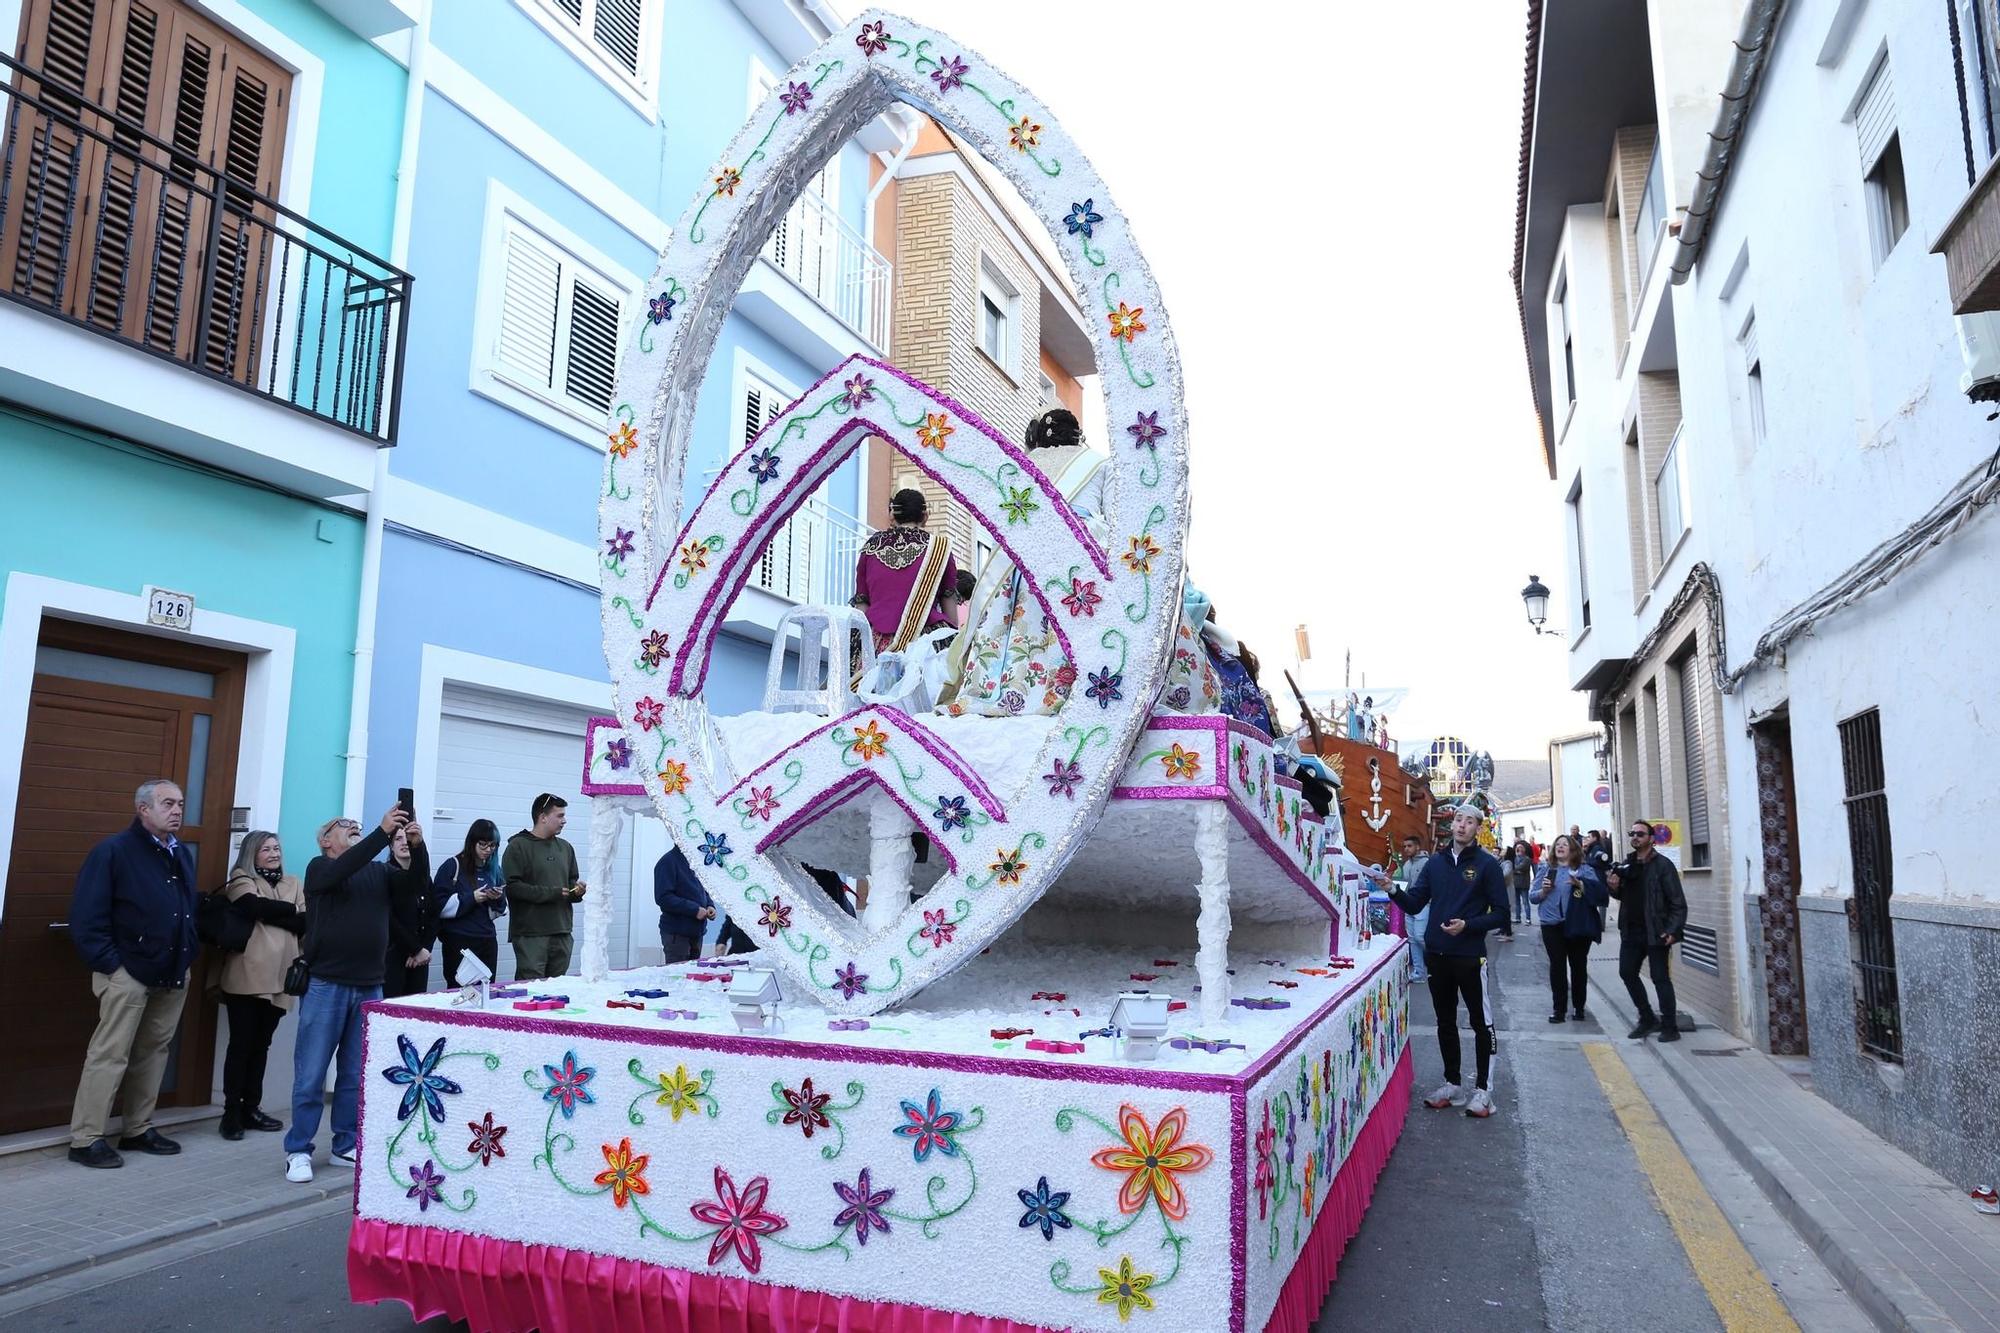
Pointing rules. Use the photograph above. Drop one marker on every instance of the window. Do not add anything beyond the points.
(1652, 212)
(1978, 76)
(1693, 762)
(1882, 163)
(999, 318)
(550, 310)
(1568, 340)
(982, 556)
(1878, 1008)
(992, 328)
(1670, 498)
(616, 39)
(1582, 564)
(1753, 379)
(1049, 396)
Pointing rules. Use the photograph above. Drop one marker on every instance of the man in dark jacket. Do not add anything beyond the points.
(1652, 911)
(348, 895)
(132, 919)
(1466, 892)
(685, 907)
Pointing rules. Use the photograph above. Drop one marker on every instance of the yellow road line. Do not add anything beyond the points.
(1737, 1288)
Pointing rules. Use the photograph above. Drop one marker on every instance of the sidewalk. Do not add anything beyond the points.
(60, 1217)
(1904, 1240)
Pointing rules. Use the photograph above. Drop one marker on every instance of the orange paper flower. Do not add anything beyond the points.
(674, 778)
(1008, 865)
(1125, 321)
(934, 430)
(870, 742)
(626, 1172)
(727, 180)
(1153, 1160)
(694, 557)
(1024, 134)
(1140, 558)
(1181, 763)
(624, 440)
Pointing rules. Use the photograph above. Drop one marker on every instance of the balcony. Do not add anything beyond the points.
(127, 240)
(819, 287)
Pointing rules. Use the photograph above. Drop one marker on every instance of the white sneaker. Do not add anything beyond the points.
(299, 1168)
(342, 1159)
(1480, 1104)
(1449, 1094)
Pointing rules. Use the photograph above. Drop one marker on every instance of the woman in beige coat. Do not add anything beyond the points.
(253, 982)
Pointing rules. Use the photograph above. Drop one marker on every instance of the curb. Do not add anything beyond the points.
(1884, 1292)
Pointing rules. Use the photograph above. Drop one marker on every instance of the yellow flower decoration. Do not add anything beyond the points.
(679, 1093)
(936, 427)
(1125, 321)
(694, 557)
(623, 440)
(674, 778)
(870, 742)
(1024, 134)
(727, 180)
(1312, 1163)
(1125, 1288)
(1140, 558)
(1181, 763)
(1008, 866)
(625, 1172)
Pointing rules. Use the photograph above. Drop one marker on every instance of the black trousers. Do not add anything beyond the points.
(1569, 967)
(252, 1020)
(681, 948)
(486, 949)
(1452, 976)
(1631, 954)
(400, 980)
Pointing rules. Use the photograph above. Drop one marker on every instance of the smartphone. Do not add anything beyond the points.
(407, 799)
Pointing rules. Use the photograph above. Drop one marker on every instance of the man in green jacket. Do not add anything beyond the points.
(542, 887)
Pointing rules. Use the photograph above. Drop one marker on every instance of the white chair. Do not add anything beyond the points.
(824, 683)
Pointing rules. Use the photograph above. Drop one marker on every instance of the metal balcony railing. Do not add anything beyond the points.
(107, 226)
(835, 265)
(811, 558)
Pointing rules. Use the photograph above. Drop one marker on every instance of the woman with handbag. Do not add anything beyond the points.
(267, 911)
(467, 898)
(1570, 901)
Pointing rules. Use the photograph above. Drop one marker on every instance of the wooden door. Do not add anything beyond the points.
(89, 744)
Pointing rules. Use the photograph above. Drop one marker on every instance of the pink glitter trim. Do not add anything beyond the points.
(590, 788)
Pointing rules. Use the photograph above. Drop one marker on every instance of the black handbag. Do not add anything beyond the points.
(221, 924)
(298, 976)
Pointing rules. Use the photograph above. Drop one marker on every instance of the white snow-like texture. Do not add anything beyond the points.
(671, 569)
(618, 1129)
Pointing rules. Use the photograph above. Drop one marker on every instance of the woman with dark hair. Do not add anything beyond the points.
(1571, 901)
(467, 897)
(253, 981)
(906, 579)
(1235, 667)
(406, 968)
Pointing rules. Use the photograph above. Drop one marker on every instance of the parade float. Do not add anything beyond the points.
(1111, 1045)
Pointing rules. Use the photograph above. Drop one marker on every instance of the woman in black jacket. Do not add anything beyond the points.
(407, 968)
(467, 897)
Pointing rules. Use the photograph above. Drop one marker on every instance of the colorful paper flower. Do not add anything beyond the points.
(1063, 777)
(1139, 559)
(648, 713)
(625, 1172)
(486, 1138)
(741, 1217)
(873, 37)
(1153, 1160)
(618, 753)
(1146, 430)
(1125, 1288)
(795, 98)
(420, 1081)
(949, 74)
(1104, 686)
(1008, 865)
(864, 1207)
(763, 465)
(679, 1093)
(850, 981)
(1312, 1165)
(936, 929)
(1020, 503)
(1181, 763)
(618, 545)
(426, 1186)
(623, 440)
(1083, 219)
(1264, 1147)
(653, 648)
(1024, 134)
(952, 812)
(1045, 1209)
(936, 429)
(1082, 599)
(760, 803)
(674, 778)
(569, 1085)
(660, 309)
(715, 850)
(870, 741)
(727, 180)
(858, 390)
(694, 557)
(1125, 321)
(776, 917)
(806, 1108)
(930, 1127)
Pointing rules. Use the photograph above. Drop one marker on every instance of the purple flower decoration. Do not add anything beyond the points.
(873, 37)
(763, 464)
(950, 74)
(1083, 218)
(1146, 430)
(1012, 702)
(858, 390)
(795, 98)
(850, 980)
(951, 813)
(864, 1207)
(1104, 686)
(1063, 778)
(426, 1186)
(930, 1126)
(660, 308)
(619, 753)
(1291, 1136)
(618, 545)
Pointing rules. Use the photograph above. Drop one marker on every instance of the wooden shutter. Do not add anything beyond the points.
(530, 299)
(50, 161)
(616, 27)
(1875, 117)
(1697, 768)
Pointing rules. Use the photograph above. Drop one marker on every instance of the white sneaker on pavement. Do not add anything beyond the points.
(1449, 1094)
(342, 1159)
(299, 1168)
(1480, 1105)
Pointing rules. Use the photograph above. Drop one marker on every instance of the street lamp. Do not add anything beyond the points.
(1536, 595)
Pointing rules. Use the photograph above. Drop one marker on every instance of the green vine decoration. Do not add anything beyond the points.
(1104, 1231)
(1082, 738)
(625, 604)
(1124, 646)
(1141, 378)
(1028, 840)
(794, 770)
(927, 1222)
(696, 233)
(427, 1134)
(776, 1115)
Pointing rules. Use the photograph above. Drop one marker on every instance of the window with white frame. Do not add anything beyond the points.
(785, 565)
(1049, 396)
(615, 38)
(1882, 176)
(1671, 498)
(1568, 337)
(1577, 551)
(999, 318)
(1652, 214)
(1753, 379)
(550, 317)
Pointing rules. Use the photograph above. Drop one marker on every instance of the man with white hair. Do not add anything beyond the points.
(132, 918)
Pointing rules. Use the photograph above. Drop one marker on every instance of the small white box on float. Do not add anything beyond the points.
(1141, 1020)
(753, 998)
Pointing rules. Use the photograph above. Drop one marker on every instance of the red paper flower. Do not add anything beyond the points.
(741, 1217)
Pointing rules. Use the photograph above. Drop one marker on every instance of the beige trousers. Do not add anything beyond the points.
(128, 1052)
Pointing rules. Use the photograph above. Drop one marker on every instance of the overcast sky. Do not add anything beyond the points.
(1327, 203)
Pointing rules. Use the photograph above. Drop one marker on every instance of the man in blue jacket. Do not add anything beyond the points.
(685, 907)
(1466, 892)
(132, 919)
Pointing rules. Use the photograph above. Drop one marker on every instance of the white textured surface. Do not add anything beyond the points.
(1211, 846)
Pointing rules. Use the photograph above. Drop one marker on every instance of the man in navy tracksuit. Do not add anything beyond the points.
(1466, 892)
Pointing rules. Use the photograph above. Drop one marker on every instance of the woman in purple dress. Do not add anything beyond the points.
(906, 580)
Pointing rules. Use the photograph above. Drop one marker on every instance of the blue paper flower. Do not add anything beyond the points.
(1045, 1210)
(715, 849)
(1083, 218)
(951, 813)
(420, 1082)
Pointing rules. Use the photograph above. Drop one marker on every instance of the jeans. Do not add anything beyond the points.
(1631, 954)
(329, 1028)
(1452, 976)
(1417, 925)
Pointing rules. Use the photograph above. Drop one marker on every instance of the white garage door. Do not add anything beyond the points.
(496, 753)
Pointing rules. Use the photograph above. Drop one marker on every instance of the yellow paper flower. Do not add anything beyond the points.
(1125, 1288)
(694, 557)
(679, 1093)
(1024, 134)
(674, 778)
(1181, 763)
